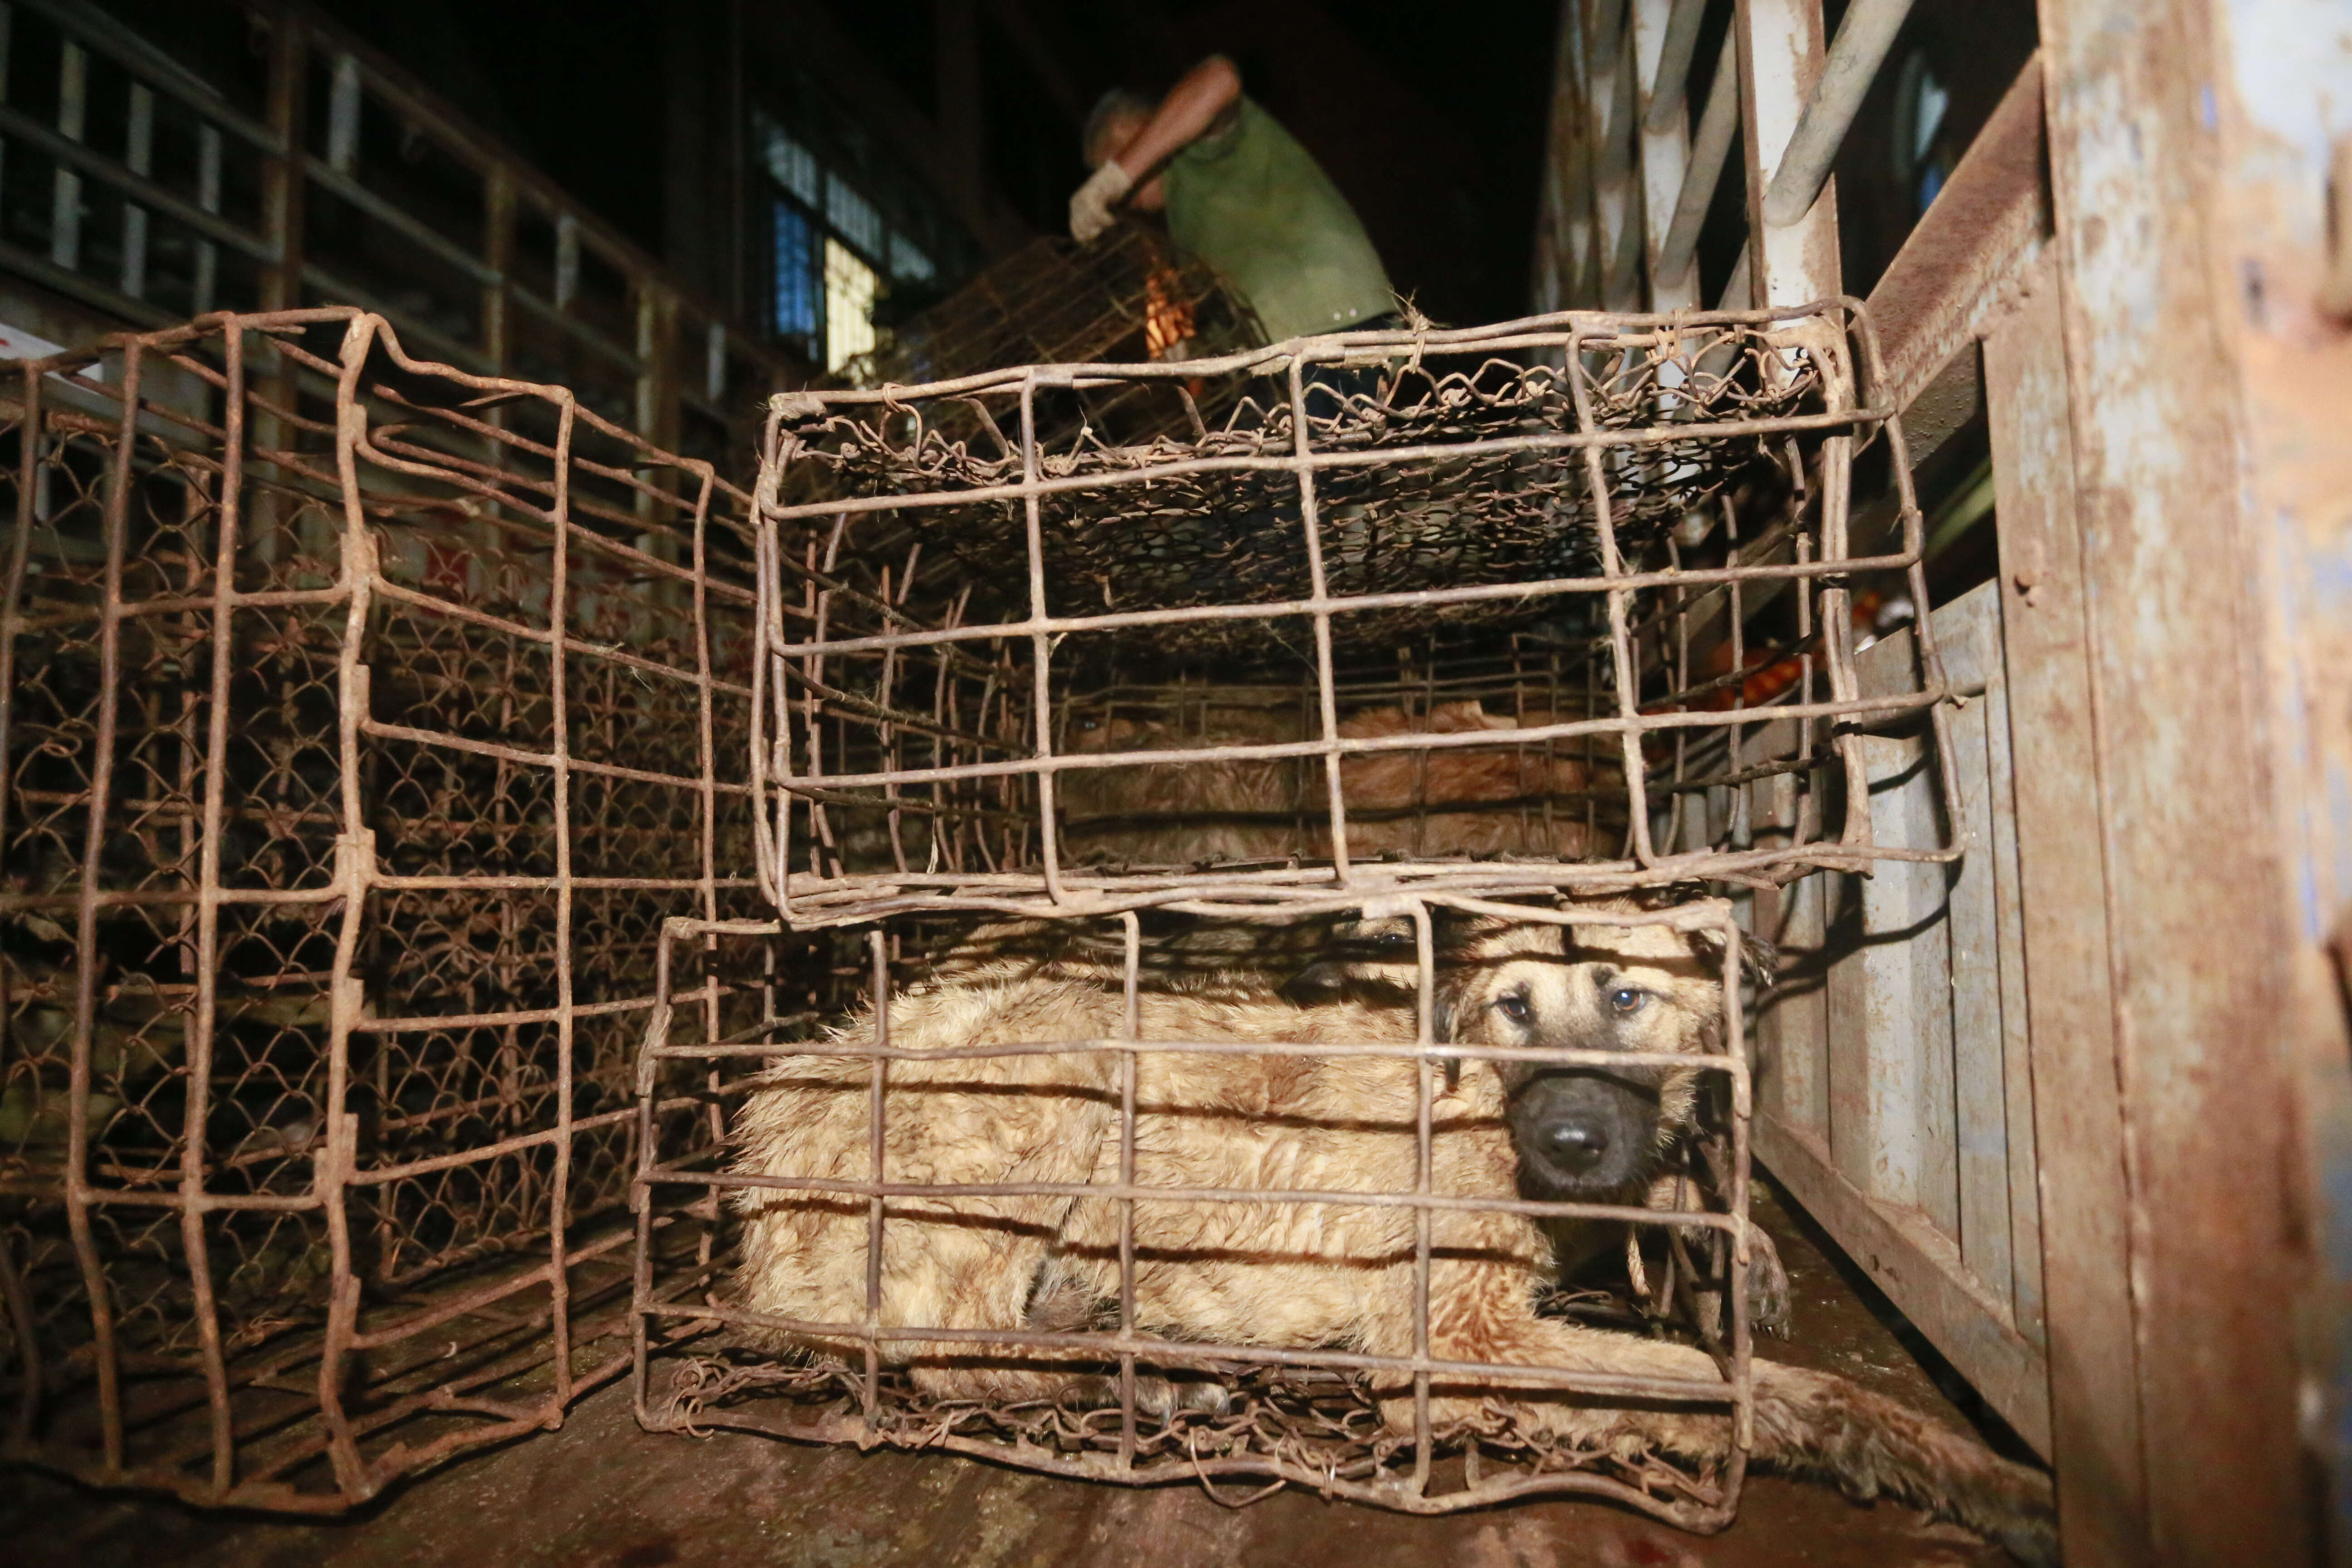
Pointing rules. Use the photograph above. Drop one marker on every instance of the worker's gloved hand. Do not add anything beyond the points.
(1090, 205)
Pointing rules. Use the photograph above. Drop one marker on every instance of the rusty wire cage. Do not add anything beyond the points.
(736, 997)
(361, 720)
(1603, 490)
(1129, 294)
(1412, 626)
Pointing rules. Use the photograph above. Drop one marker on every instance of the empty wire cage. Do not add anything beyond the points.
(362, 721)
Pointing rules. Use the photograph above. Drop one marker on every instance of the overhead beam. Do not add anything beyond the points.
(1972, 250)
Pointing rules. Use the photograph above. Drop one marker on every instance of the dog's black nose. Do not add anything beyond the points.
(1574, 1144)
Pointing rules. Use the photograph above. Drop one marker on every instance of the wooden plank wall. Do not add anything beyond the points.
(1894, 1093)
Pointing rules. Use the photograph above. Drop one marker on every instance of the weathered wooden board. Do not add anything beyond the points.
(1897, 1106)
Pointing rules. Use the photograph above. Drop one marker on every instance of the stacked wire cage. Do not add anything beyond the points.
(362, 722)
(1425, 624)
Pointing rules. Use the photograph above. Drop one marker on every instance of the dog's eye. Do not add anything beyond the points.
(1395, 939)
(1627, 1000)
(1514, 1007)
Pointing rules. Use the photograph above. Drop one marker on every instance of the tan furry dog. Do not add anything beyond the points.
(1292, 1274)
(1459, 801)
(1174, 813)
(1482, 800)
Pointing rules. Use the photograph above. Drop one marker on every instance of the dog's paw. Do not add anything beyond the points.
(1160, 1398)
(1768, 1286)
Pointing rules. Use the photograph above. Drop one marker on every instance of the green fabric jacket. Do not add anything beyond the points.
(1252, 202)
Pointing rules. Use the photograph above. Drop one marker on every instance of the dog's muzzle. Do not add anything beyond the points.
(1582, 1135)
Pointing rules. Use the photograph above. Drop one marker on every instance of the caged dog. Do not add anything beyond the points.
(1582, 1138)
(1288, 1273)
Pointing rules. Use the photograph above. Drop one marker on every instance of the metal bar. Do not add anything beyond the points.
(1665, 146)
(1718, 125)
(194, 1149)
(1780, 53)
(104, 1344)
(208, 200)
(343, 116)
(65, 206)
(282, 169)
(2079, 1117)
(30, 449)
(1671, 72)
(139, 153)
(1863, 40)
(567, 259)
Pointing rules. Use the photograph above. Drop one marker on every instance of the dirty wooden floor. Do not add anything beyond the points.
(601, 1494)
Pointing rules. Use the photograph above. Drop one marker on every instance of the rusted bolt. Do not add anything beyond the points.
(2028, 574)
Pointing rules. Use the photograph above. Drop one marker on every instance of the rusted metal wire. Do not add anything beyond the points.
(363, 721)
(1300, 1415)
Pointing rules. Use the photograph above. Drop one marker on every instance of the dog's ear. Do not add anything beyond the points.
(1440, 1013)
(1759, 959)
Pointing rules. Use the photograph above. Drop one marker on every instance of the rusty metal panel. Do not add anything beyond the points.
(2284, 221)
(2063, 881)
(2200, 944)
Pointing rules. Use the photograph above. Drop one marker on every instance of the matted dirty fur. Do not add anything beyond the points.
(1293, 1274)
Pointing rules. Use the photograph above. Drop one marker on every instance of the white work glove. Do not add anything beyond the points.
(1090, 205)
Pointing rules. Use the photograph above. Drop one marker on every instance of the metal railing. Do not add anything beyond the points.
(1631, 181)
(153, 194)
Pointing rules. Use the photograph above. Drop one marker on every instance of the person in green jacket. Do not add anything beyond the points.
(1242, 195)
